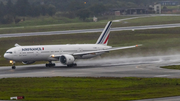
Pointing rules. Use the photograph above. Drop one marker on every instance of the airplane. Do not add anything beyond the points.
(66, 54)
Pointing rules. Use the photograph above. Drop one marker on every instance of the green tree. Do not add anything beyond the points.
(83, 14)
(43, 10)
(97, 9)
(9, 8)
(7, 19)
(51, 10)
(76, 5)
(2, 9)
(35, 10)
(22, 8)
(7, 13)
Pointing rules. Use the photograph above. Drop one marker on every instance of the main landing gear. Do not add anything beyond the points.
(72, 65)
(50, 64)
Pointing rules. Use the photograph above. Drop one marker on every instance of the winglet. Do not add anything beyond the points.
(138, 45)
(103, 38)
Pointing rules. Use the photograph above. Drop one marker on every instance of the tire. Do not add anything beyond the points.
(47, 65)
(72, 65)
(69, 65)
(13, 67)
(53, 65)
(50, 65)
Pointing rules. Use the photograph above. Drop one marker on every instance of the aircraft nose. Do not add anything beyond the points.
(6, 56)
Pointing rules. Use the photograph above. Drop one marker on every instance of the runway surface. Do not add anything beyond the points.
(107, 67)
(90, 30)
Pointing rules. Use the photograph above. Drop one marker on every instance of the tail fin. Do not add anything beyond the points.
(103, 39)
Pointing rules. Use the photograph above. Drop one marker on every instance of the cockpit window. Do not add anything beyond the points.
(9, 52)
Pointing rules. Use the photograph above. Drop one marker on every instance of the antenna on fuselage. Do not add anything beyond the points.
(17, 45)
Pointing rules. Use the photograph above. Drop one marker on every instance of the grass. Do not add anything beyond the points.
(155, 20)
(57, 24)
(88, 89)
(46, 20)
(155, 42)
(177, 67)
(42, 20)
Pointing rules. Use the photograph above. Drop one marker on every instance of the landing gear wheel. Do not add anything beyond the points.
(13, 64)
(72, 65)
(13, 67)
(50, 65)
(69, 65)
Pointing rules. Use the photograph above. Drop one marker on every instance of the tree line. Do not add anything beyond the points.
(11, 12)
(14, 11)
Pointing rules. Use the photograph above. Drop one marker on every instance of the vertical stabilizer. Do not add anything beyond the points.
(103, 39)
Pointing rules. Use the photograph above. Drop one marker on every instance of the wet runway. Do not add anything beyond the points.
(105, 67)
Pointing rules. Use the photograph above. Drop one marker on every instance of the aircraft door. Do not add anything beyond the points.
(19, 52)
(37, 53)
(60, 51)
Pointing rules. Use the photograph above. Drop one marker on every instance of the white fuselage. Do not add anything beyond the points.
(45, 52)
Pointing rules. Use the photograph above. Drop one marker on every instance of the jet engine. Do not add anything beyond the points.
(67, 59)
(28, 62)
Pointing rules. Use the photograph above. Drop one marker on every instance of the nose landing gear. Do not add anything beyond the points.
(13, 64)
(13, 67)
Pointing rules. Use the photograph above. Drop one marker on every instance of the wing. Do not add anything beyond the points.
(98, 51)
(105, 50)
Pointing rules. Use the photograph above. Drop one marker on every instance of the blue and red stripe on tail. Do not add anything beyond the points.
(103, 39)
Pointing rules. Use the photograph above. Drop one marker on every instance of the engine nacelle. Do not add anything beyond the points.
(66, 59)
(28, 62)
